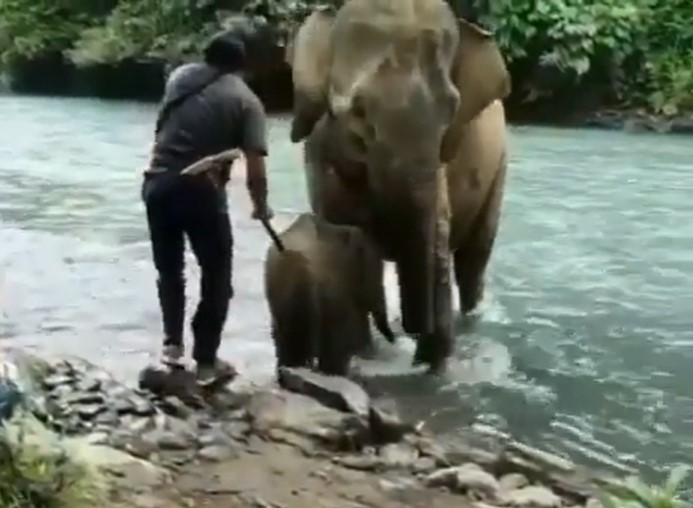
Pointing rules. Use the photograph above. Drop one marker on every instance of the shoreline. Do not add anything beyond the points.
(280, 445)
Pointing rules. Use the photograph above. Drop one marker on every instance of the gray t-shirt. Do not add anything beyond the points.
(226, 114)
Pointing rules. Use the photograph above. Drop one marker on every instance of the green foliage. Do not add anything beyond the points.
(644, 45)
(634, 493)
(30, 28)
(171, 29)
(31, 477)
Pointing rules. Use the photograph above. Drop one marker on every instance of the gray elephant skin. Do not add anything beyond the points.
(320, 291)
(399, 105)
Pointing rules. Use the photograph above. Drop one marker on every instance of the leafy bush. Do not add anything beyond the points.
(31, 28)
(31, 477)
(171, 30)
(634, 493)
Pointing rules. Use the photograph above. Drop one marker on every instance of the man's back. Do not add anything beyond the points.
(220, 113)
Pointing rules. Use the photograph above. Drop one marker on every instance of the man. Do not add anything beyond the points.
(207, 108)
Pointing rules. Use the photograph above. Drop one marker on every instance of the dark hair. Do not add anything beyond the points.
(226, 51)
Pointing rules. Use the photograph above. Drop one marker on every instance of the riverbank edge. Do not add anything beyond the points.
(313, 422)
(143, 80)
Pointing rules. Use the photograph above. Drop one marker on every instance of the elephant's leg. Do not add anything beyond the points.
(337, 342)
(472, 256)
(291, 346)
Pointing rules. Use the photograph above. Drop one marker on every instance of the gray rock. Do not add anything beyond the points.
(424, 465)
(216, 453)
(276, 409)
(90, 411)
(446, 477)
(167, 440)
(89, 384)
(54, 381)
(398, 455)
(360, 462)
(335, 392)
(429, 448)
(175, 407)
(142, 407)
(532, 497)
(237, 430)
(464, 478)
(513, 481)
(214, 437)
(472, 477)
(386, 425)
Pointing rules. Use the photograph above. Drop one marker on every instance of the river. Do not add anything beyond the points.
(582, 345)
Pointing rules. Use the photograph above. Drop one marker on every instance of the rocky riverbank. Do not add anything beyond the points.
(313, 439)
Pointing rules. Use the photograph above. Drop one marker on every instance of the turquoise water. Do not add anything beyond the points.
(584, 342)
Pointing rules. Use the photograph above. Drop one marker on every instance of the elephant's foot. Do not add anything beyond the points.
(429, 353)
(471, 296)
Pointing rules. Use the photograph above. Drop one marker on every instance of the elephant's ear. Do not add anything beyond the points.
(309, 55)
(479, 72)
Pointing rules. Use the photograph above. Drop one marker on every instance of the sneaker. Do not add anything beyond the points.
(220, 373)
(172, 356)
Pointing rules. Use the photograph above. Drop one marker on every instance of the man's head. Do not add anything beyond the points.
(226, 50)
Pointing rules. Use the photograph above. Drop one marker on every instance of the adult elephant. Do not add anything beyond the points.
(400, 107)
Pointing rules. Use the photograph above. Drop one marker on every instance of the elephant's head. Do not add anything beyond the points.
(392, 79)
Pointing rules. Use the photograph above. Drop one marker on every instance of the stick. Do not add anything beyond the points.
(273, 234)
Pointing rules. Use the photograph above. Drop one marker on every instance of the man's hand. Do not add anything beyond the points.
(265, 213)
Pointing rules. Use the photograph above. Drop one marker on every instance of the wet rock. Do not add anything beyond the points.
(85, 398)
(216, 453)
(442, 478)
(513, 481)
(89, 384)
(398, 455)
(214, 437)
(386, 425)
(682, 125)
(335, 392)
(56, 380)
(532, 497)
(275, 409)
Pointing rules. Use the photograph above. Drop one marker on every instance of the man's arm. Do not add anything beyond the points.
(254, 146)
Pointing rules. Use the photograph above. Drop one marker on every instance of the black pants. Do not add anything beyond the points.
(190, 205)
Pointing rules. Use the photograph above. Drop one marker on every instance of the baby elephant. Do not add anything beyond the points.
(321, 282)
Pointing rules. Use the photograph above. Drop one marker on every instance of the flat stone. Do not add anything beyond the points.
(216, 453)
(360, 462)
(513, 481)
(398, 455)
(89, 411)
(214, 437)
(89, 385)
(142, 407)
(532, 497)
(86, 398)
(446, 477)
(335, 392)
(303, 415)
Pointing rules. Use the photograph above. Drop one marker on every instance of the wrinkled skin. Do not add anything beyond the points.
(320, 292)
(399, 104)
